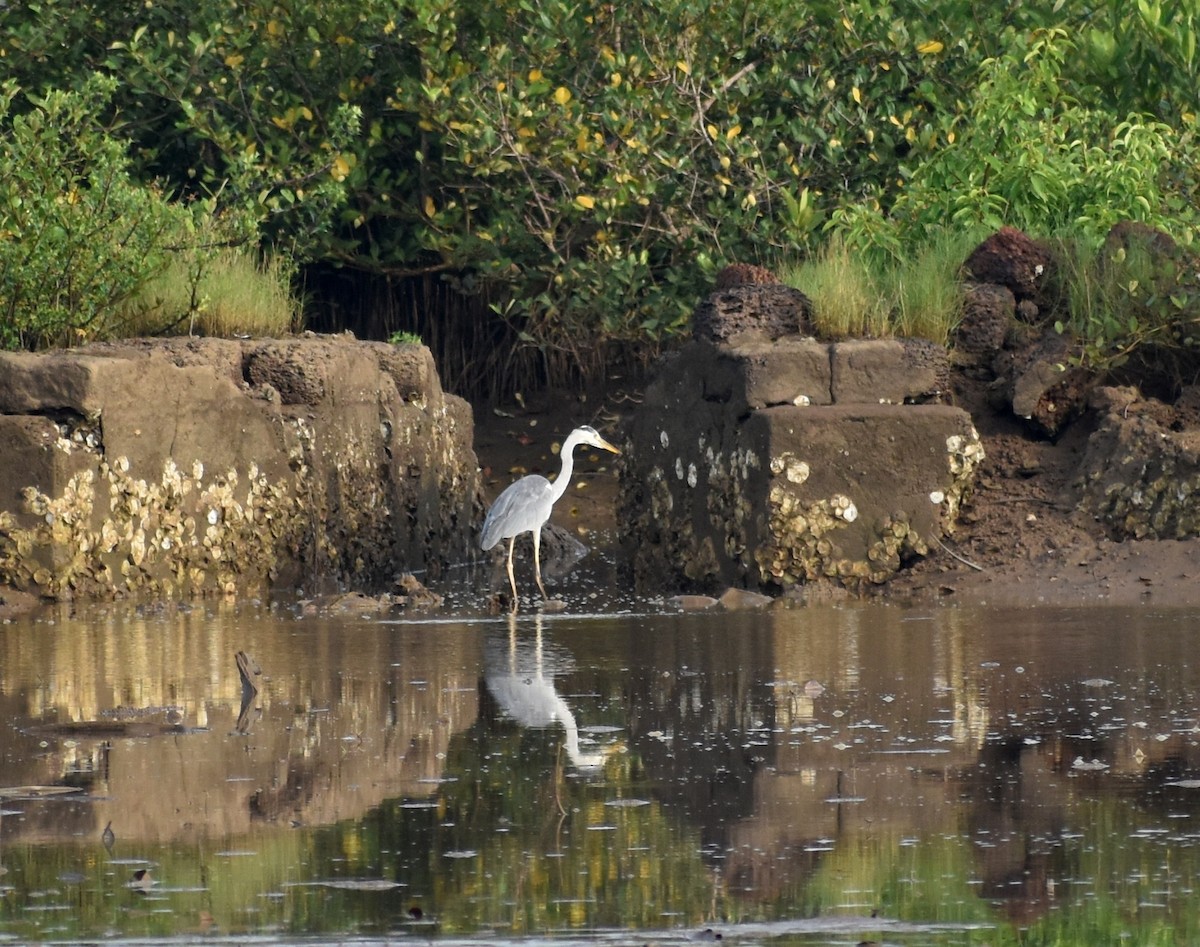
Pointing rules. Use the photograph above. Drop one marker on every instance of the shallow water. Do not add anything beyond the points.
(812, 776)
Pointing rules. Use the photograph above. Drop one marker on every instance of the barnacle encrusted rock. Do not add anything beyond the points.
(1139, 478)
(774, 463)
(192, 465)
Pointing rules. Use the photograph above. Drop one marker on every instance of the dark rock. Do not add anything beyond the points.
(988, 311)
(1028, 311)
(1138, 478)
(1015, 261)
(741, 274)
(768, 310)
(1047, 387)
(1187, 408)
(1131, 236)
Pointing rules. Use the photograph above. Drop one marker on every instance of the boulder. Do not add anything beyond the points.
(769, 310)
(1011, 259)
(988, 311)
(739, 274)
(195, 465)
(1140, 477)
(770, 464)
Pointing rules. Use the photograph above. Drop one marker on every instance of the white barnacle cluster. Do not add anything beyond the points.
(964, 454)
(83, 436)
(844, 508)
(150, 534)
(788, 464)
(745, 460)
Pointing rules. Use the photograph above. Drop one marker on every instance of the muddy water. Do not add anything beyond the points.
(809, 776)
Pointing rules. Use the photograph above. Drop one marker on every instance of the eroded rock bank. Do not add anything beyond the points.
(189, 466)
(765, 458)
(1001, 470)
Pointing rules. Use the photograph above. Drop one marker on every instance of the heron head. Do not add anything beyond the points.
(589, 435)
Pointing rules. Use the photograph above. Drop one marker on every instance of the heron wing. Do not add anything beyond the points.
(523, 507)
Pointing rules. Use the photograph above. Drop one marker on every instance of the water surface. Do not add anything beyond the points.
(812, 776)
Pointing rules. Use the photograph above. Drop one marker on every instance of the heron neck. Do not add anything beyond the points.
(564, 475)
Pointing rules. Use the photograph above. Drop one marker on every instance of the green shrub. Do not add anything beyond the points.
(1028, 155)
(78, 236)
(1134, 301)
(591, 166)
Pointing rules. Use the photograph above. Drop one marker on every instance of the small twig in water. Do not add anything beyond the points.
(965, 562)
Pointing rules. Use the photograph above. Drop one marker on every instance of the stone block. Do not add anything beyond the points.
(790, 494)
(789, 371)
(888, 371)
(137, 470)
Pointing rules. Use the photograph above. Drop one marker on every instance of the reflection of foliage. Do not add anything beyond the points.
(526, 846)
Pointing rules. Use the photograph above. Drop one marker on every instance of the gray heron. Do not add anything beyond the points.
(525, 506)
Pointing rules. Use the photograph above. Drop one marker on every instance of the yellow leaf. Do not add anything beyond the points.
(501, 86)
(615, 79)
(233, 60)
(587, 203)
(430, 206)
(525, 132)
(683, 67)
(340, 168)
(562, 95)
(931, 47)
(274, 28)
(856, 95)
(535, 75)
(712, 130)
(733, 132)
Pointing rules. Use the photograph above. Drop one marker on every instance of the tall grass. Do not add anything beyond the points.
(858, 294)
(846, 296)
(221, 290)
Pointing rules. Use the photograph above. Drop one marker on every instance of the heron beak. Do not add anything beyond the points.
(609, 447)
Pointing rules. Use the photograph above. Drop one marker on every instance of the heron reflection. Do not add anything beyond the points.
(519, 674)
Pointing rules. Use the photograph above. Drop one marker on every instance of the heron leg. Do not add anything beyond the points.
(537, 561)
(511, 580)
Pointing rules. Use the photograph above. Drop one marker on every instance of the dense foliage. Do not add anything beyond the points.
(591, 164)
